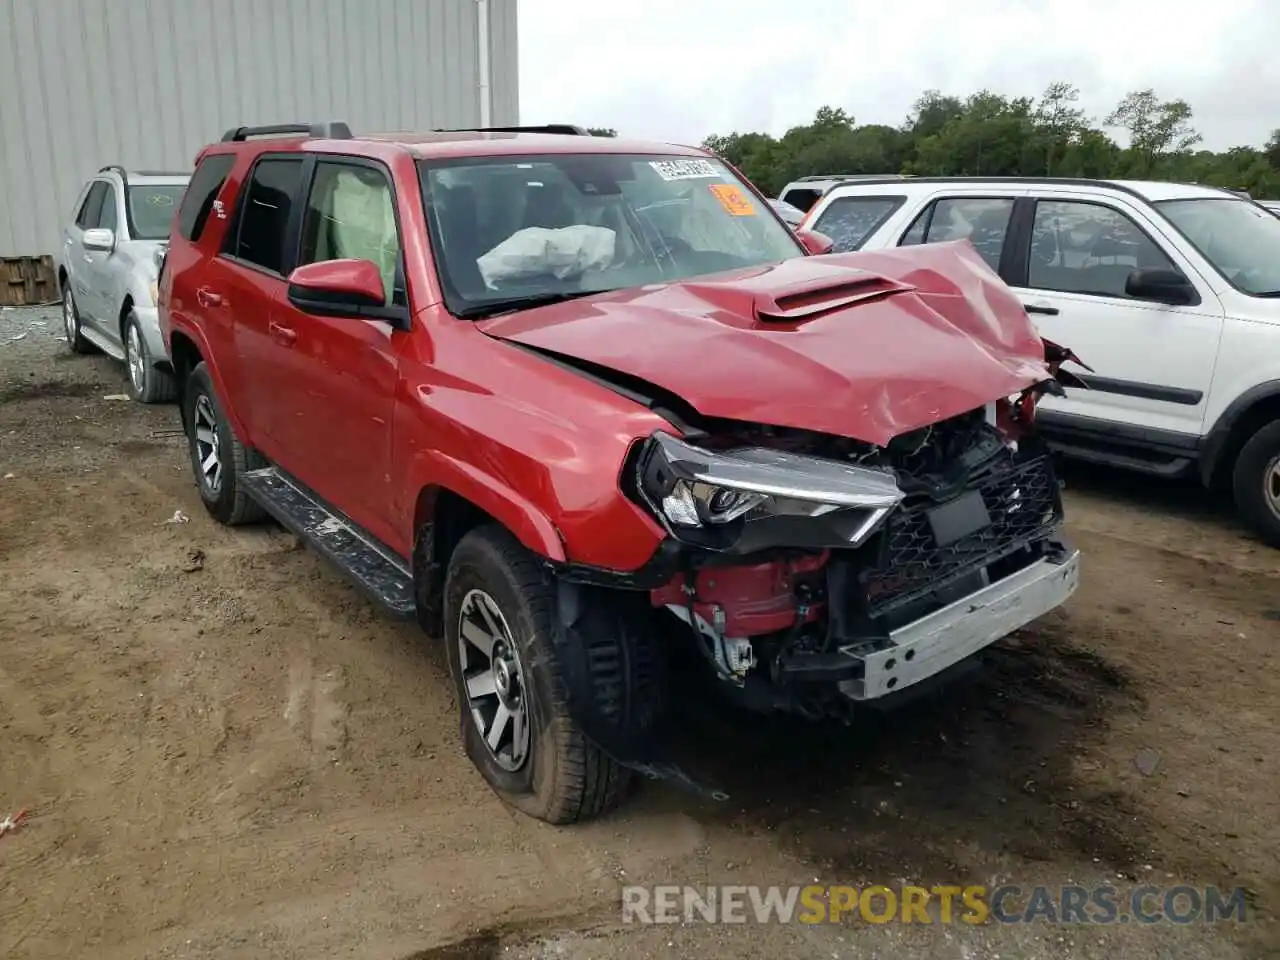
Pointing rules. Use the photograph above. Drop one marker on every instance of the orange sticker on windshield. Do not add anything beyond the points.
(733, 200)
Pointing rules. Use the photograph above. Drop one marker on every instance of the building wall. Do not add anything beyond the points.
(147, 83)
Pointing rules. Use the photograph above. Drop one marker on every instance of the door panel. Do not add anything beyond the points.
(98, 268)
(248, 287)
(340, 415)
(1153, 362)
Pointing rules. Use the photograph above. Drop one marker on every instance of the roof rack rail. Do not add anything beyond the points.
(325, 130)
(846, 177)
(566, 129)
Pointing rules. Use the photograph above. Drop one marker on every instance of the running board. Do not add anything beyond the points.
(368, 564)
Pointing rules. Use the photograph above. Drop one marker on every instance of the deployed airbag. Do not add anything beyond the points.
(539, 251)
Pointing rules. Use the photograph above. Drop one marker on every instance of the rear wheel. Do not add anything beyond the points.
(147, 383)
(1256, 482)
(218, 458)
(71, 324)
(516, 728)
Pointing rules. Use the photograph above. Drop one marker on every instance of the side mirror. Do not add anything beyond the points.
(337, 288)
(99, 238)
(1161, 286)
(816, 243)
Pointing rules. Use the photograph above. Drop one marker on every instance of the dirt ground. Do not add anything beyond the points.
(227, 753)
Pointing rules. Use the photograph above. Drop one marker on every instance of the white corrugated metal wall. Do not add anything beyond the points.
(146, 83)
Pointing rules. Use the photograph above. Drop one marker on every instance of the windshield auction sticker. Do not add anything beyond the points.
(684, 169)
(733, 200)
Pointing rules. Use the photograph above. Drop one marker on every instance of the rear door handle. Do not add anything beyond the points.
(88, 259)
(1041, 308)
(207, 298)
(281, 334)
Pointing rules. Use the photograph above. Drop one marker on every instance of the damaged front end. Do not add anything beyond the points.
(819, 571)
(814, 573)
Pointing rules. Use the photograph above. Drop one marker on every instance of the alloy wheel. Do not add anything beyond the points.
(1271, 485)
(494, 680)
(137, 365)
(206, 430)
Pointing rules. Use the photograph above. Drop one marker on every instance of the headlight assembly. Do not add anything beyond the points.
(754, 498)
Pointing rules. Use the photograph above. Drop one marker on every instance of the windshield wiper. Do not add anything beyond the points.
(495, 308)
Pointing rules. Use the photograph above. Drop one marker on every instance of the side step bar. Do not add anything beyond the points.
(372, 567)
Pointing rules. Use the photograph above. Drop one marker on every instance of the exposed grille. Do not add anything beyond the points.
(1023, 503)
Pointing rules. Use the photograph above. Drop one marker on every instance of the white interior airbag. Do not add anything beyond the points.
(535, 251)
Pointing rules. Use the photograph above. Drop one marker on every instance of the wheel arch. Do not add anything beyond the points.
(184, 354)
(452, 504)
(1244, 417)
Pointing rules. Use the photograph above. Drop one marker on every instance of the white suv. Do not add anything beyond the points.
(1170, 292)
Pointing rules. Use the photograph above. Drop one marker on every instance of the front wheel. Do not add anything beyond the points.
(1256, 483)
(147, 383)
(499, 609)
(218, 458)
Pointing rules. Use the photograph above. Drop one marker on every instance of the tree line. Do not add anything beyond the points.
(986, 134)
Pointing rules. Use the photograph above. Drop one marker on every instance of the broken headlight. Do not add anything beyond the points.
(754, 498)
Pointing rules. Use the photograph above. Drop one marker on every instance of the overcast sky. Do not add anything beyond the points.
(679, 69)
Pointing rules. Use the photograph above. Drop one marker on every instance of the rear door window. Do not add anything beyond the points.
(983, 221)
(264, 215)
(849, 221)
(91, 209)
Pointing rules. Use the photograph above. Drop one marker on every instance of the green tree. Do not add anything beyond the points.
(1156, 129)
(989, 134)
(1059, 122)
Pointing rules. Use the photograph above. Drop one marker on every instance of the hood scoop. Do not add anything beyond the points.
(795, 306)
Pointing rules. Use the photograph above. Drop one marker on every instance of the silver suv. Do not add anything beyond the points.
(107, 270)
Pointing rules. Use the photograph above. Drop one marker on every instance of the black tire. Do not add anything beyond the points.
(1256, 468)
(71, 324)
(565, 778)
(228, 503)
(158, 386)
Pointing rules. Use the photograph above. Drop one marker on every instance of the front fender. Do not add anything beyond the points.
(434, 469)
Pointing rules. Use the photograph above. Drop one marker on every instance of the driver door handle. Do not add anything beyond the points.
(281, 334)
(1042, 308)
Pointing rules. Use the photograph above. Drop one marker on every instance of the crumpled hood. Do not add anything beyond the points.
(863, 345)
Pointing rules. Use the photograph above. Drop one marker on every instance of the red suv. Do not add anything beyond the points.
(583, 406)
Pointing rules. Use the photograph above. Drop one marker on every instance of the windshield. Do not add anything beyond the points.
(509, 230)
(151, 209)
(1241, 240)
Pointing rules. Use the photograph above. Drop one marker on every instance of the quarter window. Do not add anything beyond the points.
(1079, 247)
(197, 201)
(983, 221)
(264, 218)
(850, 220)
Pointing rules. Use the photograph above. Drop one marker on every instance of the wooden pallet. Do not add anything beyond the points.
(26, 281)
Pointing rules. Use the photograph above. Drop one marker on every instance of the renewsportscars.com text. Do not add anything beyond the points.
(939, 904)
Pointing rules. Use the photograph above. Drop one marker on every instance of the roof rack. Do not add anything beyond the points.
(325, 130)
(566, 129)
(851, 176)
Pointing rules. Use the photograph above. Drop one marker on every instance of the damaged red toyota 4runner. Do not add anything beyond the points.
(583, 405)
